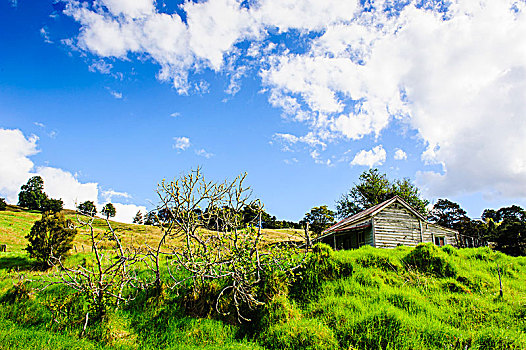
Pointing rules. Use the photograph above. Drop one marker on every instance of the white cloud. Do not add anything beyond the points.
(16, 168)
(443, 74)
(62, 184)
(400, 154)
(126, 212)
(375, 156)
(175, 115)
(101, 66)
(15, 165)
(310, 139)
(203, 153)
(39, 124)
(448, 80)
(45, 35)
(181, 143)
(116, 94)
(130, 8)
(109, 194)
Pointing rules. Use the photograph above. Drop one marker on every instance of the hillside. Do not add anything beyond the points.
(16, 222)
(405, 298)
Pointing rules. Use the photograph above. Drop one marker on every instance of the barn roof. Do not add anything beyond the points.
(345, 223)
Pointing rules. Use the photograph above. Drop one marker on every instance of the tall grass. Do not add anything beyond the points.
(406, 298)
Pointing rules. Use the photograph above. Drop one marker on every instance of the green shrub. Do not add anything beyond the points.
(452, 286)
(498, 338)
(3, 204)
(384, 329)
(278, 310)
(367, 278)
(320, 266)
(405, 301)
(299, 334)
(427, 258)
(384, 263)
(450, 250)
(50, 237)
(272, 285)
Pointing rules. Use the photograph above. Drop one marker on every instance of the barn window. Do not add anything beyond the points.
(440, 241)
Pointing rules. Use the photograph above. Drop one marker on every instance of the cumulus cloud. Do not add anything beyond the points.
(400, 154)
(16, 168)
(15, 165)
(349, 72)
(181, 143)
(375, 156)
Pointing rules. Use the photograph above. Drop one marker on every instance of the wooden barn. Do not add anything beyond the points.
(386, 225)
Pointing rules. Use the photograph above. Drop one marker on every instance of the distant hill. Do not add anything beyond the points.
(16, 222)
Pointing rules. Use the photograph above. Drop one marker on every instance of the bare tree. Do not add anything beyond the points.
(216, 244)
(107, 282)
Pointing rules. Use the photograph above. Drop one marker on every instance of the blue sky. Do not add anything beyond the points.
(106, 98)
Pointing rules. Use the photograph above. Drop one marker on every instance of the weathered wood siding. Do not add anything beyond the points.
(394, 226)
(432, 230)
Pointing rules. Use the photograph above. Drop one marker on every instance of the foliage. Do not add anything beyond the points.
(320, 266)
(108, 211)
(52, 205)
(374, 188)
(32, 194)
(447, 213)
(52, 236)
(374, 307)
(319, 219)
(138, 219)
(87, 208)
(3, 204)
(427, 258)
(299, 334)
(510, 237)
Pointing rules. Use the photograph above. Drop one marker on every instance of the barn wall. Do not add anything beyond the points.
(431, 230)
(394, 226)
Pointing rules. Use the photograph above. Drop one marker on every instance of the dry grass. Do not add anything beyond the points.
(16, 222)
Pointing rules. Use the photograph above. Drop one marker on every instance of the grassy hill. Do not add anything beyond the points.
(422, 298)
(16, 222)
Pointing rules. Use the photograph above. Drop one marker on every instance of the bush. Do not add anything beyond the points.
(299, 334)
(278, 310)
(497, 338)
(52, 205)
(3, 204)
(321, 265)
(50, 237)
(379, 259)
(450, 250)
(427, 258)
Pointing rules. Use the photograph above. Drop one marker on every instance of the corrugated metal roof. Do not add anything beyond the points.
(370, 212)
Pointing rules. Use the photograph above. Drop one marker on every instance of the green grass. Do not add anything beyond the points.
(404, 298)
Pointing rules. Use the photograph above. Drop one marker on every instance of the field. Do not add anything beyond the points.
(422, 298)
